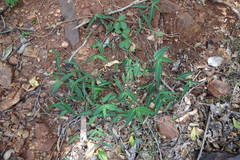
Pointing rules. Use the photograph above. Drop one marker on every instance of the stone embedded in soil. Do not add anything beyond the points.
(30, 51)
(29, 155)
(168, 6)
(215, 61)
(218, 88)
(187, 26)
(167, 127)
(5, 75)
(68, 13)
(47, 144)
(65, 44)
(41, 130)
(18, 145)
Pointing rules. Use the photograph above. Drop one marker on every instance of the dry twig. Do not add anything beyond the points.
(205, 133)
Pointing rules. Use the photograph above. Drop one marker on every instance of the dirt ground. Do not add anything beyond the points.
(194, 31)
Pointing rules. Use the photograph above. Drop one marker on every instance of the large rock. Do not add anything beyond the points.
(68, 13)
(168, 6)
(5, 75)
(187, 26)
(218, 88)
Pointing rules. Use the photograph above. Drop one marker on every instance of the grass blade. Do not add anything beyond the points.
(160, 52)
(130, 115)
(56, 86)
(157, 72)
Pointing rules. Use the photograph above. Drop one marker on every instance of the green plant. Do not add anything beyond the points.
(11, 2)
(148, 18)
(100, 47)
(119, 96)
(102, 155)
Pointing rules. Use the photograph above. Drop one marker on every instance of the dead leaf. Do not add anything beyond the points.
(109, 64)
(185, 117)
(91, 149)
(4, 105)
(167, 127)
(218, 88)
(34, 82)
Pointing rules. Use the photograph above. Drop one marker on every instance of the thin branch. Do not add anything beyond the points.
(18, 28)
(116, 11)
(4, 24)
(85, 41)
(128, 6)
(5, 9)
(204, 136)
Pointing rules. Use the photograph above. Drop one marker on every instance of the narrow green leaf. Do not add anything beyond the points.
(182, 76)
(144, 110)
(58, 54)
(112, 107)
(98, 109)
(150, 88)
(64, 112)
(110, 27)
(66, 76)
(158, 8)
(131, 95)
(118, 84)
(164, 59)
(142, 6)
(68, 108)
(159, 33)
(169, 105)
(139, 116)
(92, 120)
(155, 2)
(122, 96)
(136, 69)
(104, 112)
(140, 26)
(91, 22)
(73, 139)
(94, 45)
(85, 113)
(102, 155)
(160, 52)
(58, 64)
(108, 97)
(236, 124)
(130, 115)
(157, 72)
(105, 16)
(143, 15)
(117, 118)
(56, 86)
(148, 100)
(104, 23)
(151, 13)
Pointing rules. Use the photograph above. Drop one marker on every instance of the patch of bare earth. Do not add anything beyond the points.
(202, 120)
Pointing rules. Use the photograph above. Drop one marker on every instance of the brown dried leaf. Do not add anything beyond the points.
(4, 105)
(166, 127)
